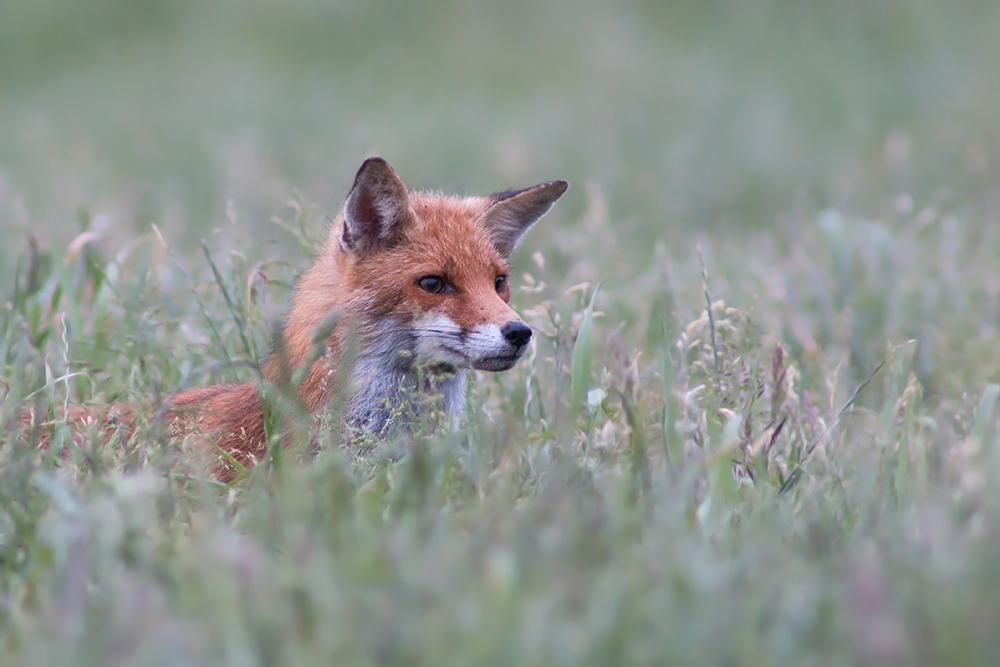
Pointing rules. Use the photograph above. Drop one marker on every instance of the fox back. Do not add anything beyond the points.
(418, 285)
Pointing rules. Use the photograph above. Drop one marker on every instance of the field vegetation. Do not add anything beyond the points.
(758, 423)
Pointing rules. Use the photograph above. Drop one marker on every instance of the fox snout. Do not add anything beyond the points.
(500, 353)
(516, 336)
(517, 333)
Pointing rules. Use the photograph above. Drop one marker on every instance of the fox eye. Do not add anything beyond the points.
(432, 284)
(500, 283)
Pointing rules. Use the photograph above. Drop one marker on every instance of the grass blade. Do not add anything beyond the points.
(582, 352)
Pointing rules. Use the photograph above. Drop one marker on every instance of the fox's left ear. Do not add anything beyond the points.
(377, 211)
(512, 213)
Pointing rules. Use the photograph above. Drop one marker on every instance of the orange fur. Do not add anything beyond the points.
(369, 271)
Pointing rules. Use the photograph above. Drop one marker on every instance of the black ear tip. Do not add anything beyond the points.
(552, 190)
(373, 164)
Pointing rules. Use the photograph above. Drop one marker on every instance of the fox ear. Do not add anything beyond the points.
(377, 210)
(512, 213)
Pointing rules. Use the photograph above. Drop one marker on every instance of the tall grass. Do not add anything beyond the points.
(703, 504)
(758, 421)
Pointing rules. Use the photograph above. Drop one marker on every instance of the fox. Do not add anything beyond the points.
(418, 285)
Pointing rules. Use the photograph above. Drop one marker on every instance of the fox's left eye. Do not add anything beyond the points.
(500, 283)
(432, 284)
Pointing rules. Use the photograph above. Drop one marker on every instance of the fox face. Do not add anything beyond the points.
(432, 271)
(422, 283)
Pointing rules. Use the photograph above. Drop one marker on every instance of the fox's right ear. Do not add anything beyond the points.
(511, 213)
(377, 210)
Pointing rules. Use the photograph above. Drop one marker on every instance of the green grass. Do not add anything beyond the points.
(769, 437)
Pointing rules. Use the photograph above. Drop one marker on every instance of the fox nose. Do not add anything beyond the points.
(517, 333)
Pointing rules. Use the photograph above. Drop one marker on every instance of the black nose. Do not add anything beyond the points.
(517, 333)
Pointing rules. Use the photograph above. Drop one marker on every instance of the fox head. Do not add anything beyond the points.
(427, 275)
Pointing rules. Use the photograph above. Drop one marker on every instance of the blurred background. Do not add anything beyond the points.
(837, 162)
(709, 115)
(711, 122)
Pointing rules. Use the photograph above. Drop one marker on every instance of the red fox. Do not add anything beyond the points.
(421, 284)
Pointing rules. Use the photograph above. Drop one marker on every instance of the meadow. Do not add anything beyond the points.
(758, 424)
